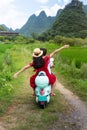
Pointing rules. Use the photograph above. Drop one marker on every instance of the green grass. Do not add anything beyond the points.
(7, 88)
(72, 65)
(4, 47)
(79, 54)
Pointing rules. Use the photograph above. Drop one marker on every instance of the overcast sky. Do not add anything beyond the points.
(15, 13)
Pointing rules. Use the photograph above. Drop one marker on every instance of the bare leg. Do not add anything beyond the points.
(33, 92)
(52, 87)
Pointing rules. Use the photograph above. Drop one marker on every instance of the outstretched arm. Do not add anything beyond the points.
(58, 50)
(22, 70)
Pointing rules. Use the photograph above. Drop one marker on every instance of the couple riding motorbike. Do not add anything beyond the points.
(43, 80)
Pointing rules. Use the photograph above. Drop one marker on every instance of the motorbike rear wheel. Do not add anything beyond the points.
(42, 104)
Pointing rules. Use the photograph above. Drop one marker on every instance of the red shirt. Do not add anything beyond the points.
(52, 77)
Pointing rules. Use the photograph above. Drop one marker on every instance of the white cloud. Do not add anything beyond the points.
(9, 14)
(66, 1)
(50, 11)
(42, 1)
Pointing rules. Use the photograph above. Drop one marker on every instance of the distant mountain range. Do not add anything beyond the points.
(42, 22)
(5, 28)
(35, 24)
(38, 24)
(2, 28)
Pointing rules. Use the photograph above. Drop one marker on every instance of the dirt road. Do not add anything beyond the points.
(80, 109)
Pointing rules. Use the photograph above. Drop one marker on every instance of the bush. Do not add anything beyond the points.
(31, 40)
(8, 58)
(83, 70)
(2, 38)
(71, 41)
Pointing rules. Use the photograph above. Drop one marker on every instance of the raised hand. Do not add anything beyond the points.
(15, 75)
(66, 46)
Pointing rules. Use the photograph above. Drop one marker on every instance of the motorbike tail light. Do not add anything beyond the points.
(42, 92)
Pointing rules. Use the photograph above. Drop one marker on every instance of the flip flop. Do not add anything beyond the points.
(52, 94)
(33, 94)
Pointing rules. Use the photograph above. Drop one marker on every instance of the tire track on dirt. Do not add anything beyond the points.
(80, 108)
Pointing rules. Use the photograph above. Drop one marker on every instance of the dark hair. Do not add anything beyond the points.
(44, 51)
(38, 62)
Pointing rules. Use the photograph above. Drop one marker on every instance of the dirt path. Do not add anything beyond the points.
(80, 108)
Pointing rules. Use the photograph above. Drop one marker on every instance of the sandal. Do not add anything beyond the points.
(33, 94)
(52, 94)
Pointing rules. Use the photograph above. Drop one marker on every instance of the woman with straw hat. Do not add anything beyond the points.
(40, 63)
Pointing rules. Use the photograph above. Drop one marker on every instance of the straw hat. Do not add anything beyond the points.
(37, 52)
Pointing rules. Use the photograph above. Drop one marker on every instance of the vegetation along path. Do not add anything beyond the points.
(64, 112)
